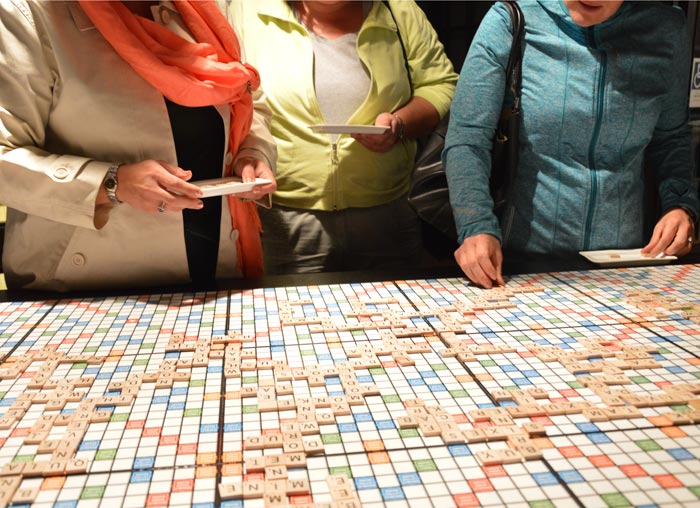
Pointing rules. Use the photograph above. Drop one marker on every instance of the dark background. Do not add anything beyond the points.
(456, 23)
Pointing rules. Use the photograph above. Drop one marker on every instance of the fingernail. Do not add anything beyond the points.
(200, 204)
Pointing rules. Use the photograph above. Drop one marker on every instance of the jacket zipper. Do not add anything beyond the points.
(591, 147)
(334, 168)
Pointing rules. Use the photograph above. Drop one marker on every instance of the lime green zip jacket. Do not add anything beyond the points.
(312, 171)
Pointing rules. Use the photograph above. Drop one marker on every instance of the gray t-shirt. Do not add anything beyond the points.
(340, 79)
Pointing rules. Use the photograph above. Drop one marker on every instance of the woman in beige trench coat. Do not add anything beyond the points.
(73, 116)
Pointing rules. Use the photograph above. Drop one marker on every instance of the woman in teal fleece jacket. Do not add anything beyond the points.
(604, 86)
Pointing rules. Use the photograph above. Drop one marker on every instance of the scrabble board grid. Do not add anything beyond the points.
(190, 433)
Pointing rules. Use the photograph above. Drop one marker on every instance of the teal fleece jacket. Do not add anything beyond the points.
(595, 102)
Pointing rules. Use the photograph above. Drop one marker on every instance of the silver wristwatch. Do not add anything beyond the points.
(110, 184)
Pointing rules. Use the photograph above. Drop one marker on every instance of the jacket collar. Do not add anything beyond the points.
(594, 36)
(281, 12)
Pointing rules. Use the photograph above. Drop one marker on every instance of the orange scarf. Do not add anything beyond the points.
(193, 74)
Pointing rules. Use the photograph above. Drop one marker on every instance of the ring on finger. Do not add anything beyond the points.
(161, 207)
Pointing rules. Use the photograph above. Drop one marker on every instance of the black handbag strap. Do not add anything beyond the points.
(514, 69)
(515, 59)
(403, 46)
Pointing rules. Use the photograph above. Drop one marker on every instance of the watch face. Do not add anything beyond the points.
(110, 183)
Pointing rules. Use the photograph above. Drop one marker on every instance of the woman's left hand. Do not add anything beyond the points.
(673, 235)
(249, 169)
(381, 142)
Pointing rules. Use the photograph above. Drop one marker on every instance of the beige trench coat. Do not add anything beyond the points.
(69, 108)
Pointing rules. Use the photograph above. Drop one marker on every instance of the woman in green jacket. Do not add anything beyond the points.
(341, 198)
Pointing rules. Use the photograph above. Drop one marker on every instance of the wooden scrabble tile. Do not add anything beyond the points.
(253, 489)
(76, 466)
(293, 460)
(276, 472)
(230, 491)
(313, 446)
(273, 441)
(8, 487)
(297, 487)
(255, 464)
(25, 495)
(12, 469)
(253, 443)
(498, 456)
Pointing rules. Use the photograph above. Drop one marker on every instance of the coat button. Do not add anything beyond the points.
(228, 159)
(233, 235)
(60, 173)
(78, 259)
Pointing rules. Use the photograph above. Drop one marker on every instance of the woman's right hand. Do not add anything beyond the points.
(481, 259)
(154, 186)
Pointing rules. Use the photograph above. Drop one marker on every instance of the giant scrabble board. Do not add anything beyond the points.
(561, 389)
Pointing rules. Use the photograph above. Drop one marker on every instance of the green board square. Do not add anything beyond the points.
(119, 417)
(424, 465)
(193, 412)
(250, 409)
(388, 399)
(406, 433)
(107, 454)
(93, 492)
(542, 503)
(616, 500)
(341, 470)
(459, 394)
(23, 458)
(331, 438)
(648, 445)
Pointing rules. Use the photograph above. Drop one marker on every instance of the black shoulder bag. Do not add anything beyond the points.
(428, 194)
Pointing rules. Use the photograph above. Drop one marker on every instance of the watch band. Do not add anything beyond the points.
(110, 184)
